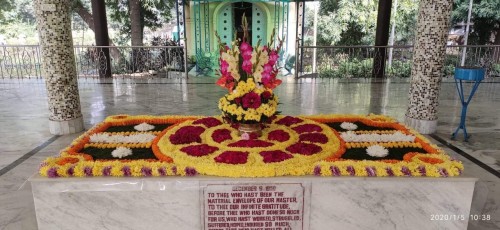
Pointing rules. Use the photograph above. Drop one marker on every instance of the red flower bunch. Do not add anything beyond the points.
(251, 100)
(275, 156)
(232, 157)
(209, 122)
(186, 135)
(304, 148)
(307, 128)
(289, 120)
(251, 143)
(314, 137)
(266, 95)
(199, 150)
(221, 135)
(278, 135)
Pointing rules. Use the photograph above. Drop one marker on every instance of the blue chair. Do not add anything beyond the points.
(290, 64)
(463, 73)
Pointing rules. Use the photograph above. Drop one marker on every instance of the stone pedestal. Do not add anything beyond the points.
(58, 65)
(201, 202)
(428, 60)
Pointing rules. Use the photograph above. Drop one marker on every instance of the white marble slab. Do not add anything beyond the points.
(175, 202)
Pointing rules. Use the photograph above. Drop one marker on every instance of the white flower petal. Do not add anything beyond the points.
(377, 151)
(134, 138)
(121, 152)
(350, 136)
(348, 126)
(144, 127)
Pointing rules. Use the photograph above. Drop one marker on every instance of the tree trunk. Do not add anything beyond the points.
(135, 22)
(497, 37)
(138, 57)
(101, 35)
(381, 37)
(89, 20)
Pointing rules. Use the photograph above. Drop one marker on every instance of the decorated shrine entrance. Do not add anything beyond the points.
(225, 17)
(230, 21)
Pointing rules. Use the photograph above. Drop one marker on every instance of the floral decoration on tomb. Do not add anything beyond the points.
(250, 75)
(305, 145)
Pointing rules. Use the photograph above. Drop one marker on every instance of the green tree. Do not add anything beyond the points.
(133, 16)
(6, 6)
(353, 22)
(486, 19)
(347, 22)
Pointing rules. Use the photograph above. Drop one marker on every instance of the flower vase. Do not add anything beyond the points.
(255, 129)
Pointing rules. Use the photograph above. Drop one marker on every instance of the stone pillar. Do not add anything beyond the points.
(427, 68)
(58, 65)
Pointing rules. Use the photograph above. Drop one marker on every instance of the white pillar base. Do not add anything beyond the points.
(421, 126)
(66, 127)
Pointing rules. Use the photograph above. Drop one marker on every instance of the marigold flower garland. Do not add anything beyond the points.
(284, 133)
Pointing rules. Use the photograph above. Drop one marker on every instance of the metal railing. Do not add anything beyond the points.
(357, 61)
(330, 61)
(91, 61)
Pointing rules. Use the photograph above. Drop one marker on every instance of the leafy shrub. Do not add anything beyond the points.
(399, 69)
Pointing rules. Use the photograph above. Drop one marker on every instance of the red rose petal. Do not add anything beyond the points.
(275, 156)
(221, 135)
(307, 128)
(278, 135)
(314, 137)
(251, 143)
(186, 135)
(304, 148)
(209, 122)
(288, 120)
(199, 150)
(232, 157)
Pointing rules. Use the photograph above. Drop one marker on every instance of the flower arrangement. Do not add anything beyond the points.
(249, 73)
(305, 145)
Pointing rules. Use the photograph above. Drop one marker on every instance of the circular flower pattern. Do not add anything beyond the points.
(288, 146)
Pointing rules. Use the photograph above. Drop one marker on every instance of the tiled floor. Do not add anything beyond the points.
(24, 124)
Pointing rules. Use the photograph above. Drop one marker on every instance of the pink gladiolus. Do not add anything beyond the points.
(273, 57)
(265, 76)
(268, 68)
(245, 46)
(247, 66)
(223, 67)
(247, 55)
